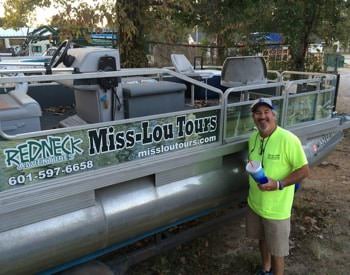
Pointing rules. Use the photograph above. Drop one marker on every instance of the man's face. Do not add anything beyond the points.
(264, 119)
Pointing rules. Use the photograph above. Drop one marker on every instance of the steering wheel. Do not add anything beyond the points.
(60, 53)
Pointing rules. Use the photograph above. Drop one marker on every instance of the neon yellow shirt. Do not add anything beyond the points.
(281, 154)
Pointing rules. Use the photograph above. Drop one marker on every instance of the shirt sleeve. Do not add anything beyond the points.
(296, 154)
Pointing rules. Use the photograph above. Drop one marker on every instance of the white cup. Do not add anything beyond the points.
(255, 169)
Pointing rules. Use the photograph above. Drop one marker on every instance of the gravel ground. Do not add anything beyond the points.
(319, 240)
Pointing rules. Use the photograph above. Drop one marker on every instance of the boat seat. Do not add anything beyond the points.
(150, 98)
(183, 65)
(19, 113)
(241, 71)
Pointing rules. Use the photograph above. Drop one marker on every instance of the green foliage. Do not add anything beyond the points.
(18, 12)
(335, 21)
(76, 20)
(140, 21)
(224, 22)
(131, 32)
(313, 63)
(299, 20)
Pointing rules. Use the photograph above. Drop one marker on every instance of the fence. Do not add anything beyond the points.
(277, 56)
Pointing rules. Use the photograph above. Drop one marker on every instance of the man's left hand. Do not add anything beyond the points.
(271, 185)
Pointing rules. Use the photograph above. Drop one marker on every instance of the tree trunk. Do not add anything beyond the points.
(299, 54)
(131, 36)
(311, 14)
(221, 50)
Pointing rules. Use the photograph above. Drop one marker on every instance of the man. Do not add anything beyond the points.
(284, 162)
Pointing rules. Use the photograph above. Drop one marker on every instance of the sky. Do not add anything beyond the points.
(1, 8)
(42, 16)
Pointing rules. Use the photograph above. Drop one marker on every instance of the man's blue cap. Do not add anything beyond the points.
(261, 101)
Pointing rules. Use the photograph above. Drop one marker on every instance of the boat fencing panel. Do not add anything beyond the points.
(238, 118)
(38, 157)
(31, 158)
(311, 98)
(295, 102)
(239, 121)
(309, 106)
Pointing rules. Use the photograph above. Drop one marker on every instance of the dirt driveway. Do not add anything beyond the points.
(343, 105)
(320, 239)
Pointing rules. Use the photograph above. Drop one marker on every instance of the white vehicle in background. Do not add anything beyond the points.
(315, 48)
(38, 47)
(50, 51)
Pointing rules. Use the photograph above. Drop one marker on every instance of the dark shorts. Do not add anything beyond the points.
(274, 232)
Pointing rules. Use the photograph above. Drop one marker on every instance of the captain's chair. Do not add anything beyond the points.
(243, 70)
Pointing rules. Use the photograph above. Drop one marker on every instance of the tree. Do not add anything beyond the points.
(18, 13)
(297, 20)
(134, 20)
(130, 25)
(140, 20)
(342, 29)
(77, 20)
(335, 25)
(223, 20)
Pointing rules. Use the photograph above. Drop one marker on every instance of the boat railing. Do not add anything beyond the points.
(64, 74)
(296, 102)
(273, 76)
(322, 93)
(286, 74)
(137, 140)
(8, 72)
(182, 133)
(238, 123)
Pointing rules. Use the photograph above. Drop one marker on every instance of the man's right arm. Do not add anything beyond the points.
(296, 176)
